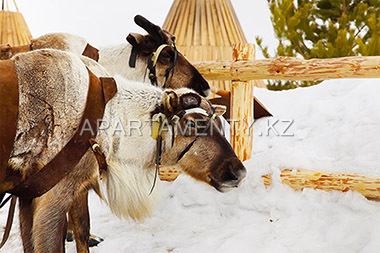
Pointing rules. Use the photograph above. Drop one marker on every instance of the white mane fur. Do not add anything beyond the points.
(62, 41)
(129, 153)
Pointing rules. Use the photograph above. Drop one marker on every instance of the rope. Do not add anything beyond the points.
(14, 2)
(5, 2)
(8, 227)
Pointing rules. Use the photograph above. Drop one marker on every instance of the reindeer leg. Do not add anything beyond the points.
(79, 220)
(49, 223)
(70, 230)
(26, 224)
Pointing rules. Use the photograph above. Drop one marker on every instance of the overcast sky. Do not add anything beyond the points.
(108, 22)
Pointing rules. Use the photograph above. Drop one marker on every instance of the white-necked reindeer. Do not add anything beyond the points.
(133, 60)
(130, 60)
(195, 145)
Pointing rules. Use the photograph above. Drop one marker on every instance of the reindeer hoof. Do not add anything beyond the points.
(94, 240)
(69, 236)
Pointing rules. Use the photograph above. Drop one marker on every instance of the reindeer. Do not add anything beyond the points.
(130, 161)
(151, 58)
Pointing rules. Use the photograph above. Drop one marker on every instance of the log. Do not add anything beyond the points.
(368, 185)
(241, 110)
(169, 174)
(291, 68)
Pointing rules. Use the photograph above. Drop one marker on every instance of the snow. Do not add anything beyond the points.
(336, 127)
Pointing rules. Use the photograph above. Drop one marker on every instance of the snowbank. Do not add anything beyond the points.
(336, 128)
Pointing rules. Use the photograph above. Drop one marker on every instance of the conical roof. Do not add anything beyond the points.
(13, 28)
(205, 30)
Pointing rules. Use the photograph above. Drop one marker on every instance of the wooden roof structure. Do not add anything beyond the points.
(13, 28)
(205, 30)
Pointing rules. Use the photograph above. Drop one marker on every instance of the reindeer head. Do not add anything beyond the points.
(172, 69)
(199, 147)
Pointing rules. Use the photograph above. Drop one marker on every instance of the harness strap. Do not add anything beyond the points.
(91, 52)
(99, 155)
(152, 62)
(133, 57)
(158, 152)
(9, 100)
(156, 54)
(170, 70)
(188, 147)
(8, 227)
(46, 178)
(203, 112)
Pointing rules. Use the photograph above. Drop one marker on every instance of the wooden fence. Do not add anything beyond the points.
(243, 69)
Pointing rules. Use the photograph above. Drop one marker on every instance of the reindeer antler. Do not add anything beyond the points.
(154, 30)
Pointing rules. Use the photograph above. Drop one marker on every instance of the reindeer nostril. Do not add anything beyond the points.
(231, 174)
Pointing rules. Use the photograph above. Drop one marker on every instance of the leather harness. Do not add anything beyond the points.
(91, 52)
(9, 101)
(152, 62)
(158, 132)
(100, 91)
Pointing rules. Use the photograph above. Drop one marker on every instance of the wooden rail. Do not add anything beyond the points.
(291, 68)
(368, 185)
(244, 69)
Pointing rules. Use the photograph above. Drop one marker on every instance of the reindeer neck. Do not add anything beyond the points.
(116, 60)
(124, 139)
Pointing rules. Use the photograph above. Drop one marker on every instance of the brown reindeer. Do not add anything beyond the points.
(41, 111)
(151, 58)
(200, 150)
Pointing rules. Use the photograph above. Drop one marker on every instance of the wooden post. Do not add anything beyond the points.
(242, 106)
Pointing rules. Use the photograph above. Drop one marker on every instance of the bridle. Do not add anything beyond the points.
(160, 124)
(152, 62)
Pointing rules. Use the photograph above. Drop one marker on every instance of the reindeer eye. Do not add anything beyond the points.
(165, 56)
(190, 123)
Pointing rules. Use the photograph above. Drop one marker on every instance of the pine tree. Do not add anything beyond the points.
(323, 29)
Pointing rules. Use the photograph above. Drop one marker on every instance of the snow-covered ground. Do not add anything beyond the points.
(336, 128)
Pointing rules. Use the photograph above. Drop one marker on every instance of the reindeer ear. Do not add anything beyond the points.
(190, 100)
(135, 39)
(219, 109)
(170, 101)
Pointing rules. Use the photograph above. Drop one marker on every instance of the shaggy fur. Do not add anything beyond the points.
(62, 41)
(130, 153)
(50, 105)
